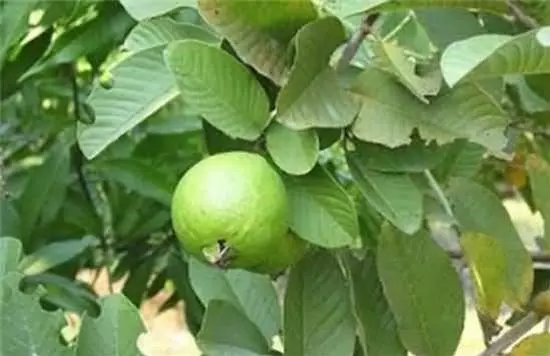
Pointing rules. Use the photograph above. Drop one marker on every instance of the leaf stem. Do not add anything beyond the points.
(521, 16)
(440, 195)
(512, 335)
(354, 43)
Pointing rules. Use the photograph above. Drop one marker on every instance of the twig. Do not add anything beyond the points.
(78, 161)
(521, 16)
(512, 335)
(355, 42)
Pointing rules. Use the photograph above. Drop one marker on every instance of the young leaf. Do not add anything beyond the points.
(27, 329)
(145, 9)
(227, 331)
(537, 344)
(259, 31)
(394, 196)
(126, 104)
(539, 176)
(468, 111)
(295, 152)
(54, 254)
(252, 293)
(318, 318)
(311, 97)
(114, 332)
(424, 292)
(321, 211)
(222, 90)
(478, 210)
(493, 55)
(163, 30)
(487, 262)
(10, 253)
(377, 327)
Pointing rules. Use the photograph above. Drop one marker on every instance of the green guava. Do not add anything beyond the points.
(231, 209)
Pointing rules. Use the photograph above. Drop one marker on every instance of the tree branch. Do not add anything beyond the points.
(355, 42)
(512, 335)
(521, 16)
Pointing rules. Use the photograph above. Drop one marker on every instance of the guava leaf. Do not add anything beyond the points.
(321, 211)
(126, 104)
(423, 291)
(259, 31)
(163, 30)
(250, 292)
(462, 159)
(10, 220)
(114, 332)
(394, 196)
(478, 210)
(221, 89)
(311, 96)
(487, 262)
(377, 329)
(235, 336)
(10, 253)
(318, 318)
(145, 9)
(537, 344)
(468, 111)
(493, 55)
(14, 20)
(295, 152)
(54, 254)
(537, 9)
(27, 329)
(539, 177)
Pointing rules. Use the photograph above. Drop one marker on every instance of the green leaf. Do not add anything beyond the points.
(252, 293)
(26, 328)
(478, 210)
(140, 177)
(413, 158)
(145, 9)
(163, 30)
(295, 152)
(537, 9)
(487, 262)
(423, 291)
(222, 90)
(10, 253)
(318, 317)
(468, 111)
(14, 20)
(377, 327)
(321, 211)
(126, 104)
(114, 332)
(259, 31)
(462, 159)
(533, 345)
(54, 254)
(394, 196)
(10, 221)
(488, 56)
(311, 96)
(235, 336)
(46, 183)
(539, 177)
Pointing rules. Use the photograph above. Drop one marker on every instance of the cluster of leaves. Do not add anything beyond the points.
(106, 104)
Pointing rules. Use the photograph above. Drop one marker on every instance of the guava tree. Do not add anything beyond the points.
(309, 177)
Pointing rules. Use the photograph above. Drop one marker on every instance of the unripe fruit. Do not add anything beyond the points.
(232, 209)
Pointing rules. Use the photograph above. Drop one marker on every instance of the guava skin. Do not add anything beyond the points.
(238, 199)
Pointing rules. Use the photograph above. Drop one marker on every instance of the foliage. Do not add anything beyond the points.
(384, 119)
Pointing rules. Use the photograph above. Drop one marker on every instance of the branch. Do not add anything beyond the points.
(512, 335)
(353, 45)
(521, 16)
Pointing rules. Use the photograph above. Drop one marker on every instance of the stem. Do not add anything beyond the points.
(440, 194)
(355, 42)
(512, 335)
(521, 16)
(78, 161)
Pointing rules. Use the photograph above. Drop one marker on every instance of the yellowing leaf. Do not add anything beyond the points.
(534, 345)
(539, 176)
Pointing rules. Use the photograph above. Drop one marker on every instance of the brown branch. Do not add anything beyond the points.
(521, 16)
(355, 42)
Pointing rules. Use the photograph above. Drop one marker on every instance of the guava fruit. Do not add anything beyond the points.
(231, 209)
